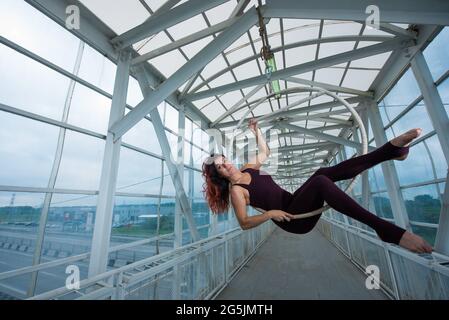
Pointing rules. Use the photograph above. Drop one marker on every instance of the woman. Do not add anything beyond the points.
(251, 186)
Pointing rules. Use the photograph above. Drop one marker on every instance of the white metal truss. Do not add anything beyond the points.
(388, 168)
(308, 66)
(109, 171)
(406, 46)
(153, 99)
(400, 11)
(172, 166)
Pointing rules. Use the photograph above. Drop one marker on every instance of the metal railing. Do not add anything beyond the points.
(403, 275)
(201, 269)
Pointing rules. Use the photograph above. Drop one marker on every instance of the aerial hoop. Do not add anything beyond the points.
(318, 92)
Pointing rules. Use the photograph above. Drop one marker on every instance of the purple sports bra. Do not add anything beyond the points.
(264, 193)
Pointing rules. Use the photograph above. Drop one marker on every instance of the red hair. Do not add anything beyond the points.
(215, 187)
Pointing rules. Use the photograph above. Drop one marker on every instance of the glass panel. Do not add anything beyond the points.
(188, 129)
(360, 79)
(173, 142)
(436, 153)
(187, 27)
(186, 182)
(330, 76)
(220, 13)
(296, 30)
(136, 218)
(54, 278)
(436, 54)
(382, 205)
(200, 211)
(31, 29)
(97, 69)
(142, 135)
(376, 179)
(443, 90)
(113, 16)
(416, 281)
(198, 157)
(68, 232)
(134, 93)
(81, 162)
(420, 171)
(339, 28)
(423, 204)
(168, 188)
(138, 173)
(169, 63)
(187, 147)
(429, 234)
(89, 109)
(299, 55)
(332, 48)
(403, 93)
(415, 118)
(19, 221)
(171, 118)
(20, 89)
(198, 182)
(23, 144)
(441, 187)
(70, 225)
(192, 49)
(246, 71)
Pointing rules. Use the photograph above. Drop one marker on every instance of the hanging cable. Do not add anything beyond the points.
(267, 55)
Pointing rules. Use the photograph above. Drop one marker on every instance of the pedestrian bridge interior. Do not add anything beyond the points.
(109, 108)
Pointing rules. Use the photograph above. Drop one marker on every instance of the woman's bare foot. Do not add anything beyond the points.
(404, 140)
(415, 243)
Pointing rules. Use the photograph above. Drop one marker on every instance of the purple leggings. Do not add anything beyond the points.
(320, 187)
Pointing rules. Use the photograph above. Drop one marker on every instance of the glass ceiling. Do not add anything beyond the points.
(242, 59)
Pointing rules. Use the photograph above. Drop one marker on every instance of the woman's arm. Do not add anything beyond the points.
(248, 222)
(257, 160)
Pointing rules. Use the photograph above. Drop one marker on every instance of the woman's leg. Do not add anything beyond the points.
(321, 188)
(397, 148)
(350, 168)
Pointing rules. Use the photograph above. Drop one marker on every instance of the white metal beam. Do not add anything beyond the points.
(236, 106)
(306, 146)
(319, 115)
(330, 87)
(442, 238)
(397, 31)
(97, 34)
(164, 21)
(365, 178)
(296, 111)
(298, 44)
(152, 100)
(320, 135)
(432, 101)
(184, 41)
(388, 168)
(108, 180)
(399, 61)
(306, 67)
(239, 8)
(398, 11)
(172, 166)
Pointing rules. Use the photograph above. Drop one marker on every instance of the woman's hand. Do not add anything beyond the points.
(252, 125)
(280, 216)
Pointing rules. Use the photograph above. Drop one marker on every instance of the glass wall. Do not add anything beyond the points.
(422, 175)
(51, 168)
